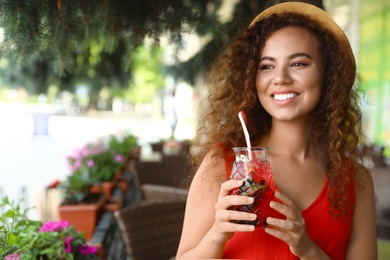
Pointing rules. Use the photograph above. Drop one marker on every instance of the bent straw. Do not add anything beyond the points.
(241, 116)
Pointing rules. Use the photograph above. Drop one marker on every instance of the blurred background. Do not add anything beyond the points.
(73, 71)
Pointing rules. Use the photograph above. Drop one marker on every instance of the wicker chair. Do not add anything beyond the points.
(151, 229)
(154, 192)
(151, 225)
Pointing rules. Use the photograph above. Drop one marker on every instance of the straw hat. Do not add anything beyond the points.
(323, 20)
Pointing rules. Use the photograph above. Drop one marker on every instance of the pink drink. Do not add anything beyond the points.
(252, 166)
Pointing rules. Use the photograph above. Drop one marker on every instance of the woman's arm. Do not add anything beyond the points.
(363, 240)
(207, 224)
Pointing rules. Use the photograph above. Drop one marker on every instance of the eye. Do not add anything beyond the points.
(298, 64)
(265, 67)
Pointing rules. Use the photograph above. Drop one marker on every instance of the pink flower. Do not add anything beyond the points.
(118, 158)
(13, 256)
(64, 224)
(84, 152)
(90, 163)
(87, 250)
(68, 246)
(76, 164)
(54, 226)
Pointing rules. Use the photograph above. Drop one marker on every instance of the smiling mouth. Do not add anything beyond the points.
(281, 97)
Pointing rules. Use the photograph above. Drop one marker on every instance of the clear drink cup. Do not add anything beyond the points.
(252, 166)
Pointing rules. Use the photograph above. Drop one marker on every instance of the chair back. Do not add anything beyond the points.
(151, 229)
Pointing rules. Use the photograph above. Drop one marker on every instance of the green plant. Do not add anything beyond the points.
(28, 239)
(12, 221)
(122, 144)
(75, 187)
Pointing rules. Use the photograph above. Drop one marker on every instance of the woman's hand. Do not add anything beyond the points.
(224, 217)
(292, 230)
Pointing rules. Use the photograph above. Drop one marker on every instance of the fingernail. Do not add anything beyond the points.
(251, 227)
(253, 216)
(250, 199)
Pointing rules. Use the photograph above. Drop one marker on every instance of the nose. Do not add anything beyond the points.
(282, 76)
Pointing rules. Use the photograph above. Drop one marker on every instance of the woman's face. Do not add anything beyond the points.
(289, 76)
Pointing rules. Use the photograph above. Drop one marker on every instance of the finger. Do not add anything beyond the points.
(282, 235)
(291, 212)
(281, 224)
(233, 200)
(233, 215)
(284, 198)
(229, 185)
(233, 227)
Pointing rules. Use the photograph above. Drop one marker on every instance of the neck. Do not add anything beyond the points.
(291, 140)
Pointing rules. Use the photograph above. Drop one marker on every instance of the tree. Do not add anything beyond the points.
(54, 29)
(95, 41)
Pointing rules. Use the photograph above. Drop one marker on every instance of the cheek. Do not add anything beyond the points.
(260, 85)
(261, 91)
(316, 84)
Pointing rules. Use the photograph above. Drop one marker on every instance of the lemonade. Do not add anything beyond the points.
(252, 166)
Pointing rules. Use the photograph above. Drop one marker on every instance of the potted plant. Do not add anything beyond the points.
(92, 171)
(100, 162)
(22, 238)
(79, 206)
(75, 188)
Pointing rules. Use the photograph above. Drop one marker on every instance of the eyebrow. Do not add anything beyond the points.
(299, 54)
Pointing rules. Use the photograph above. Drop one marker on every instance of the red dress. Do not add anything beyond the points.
(330, 233)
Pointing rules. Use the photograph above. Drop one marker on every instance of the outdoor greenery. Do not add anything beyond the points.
(22, 238)
(66, 43)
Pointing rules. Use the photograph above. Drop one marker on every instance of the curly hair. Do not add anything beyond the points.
(232, 87)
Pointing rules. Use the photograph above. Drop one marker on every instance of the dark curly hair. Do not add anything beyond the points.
(232, 87)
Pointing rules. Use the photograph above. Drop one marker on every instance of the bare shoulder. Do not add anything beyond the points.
(363, 177)
(362, 241)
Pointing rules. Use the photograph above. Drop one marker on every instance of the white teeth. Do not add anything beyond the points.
(284, 96)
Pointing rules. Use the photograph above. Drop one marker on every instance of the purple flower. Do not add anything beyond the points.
(87, 249)
(54, 226)
(68, 246)
(90, 163)
(118, 158)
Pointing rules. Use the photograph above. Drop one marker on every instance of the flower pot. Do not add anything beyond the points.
(106, 187)
(85, 216)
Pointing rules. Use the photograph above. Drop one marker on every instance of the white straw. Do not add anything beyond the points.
(246, 133)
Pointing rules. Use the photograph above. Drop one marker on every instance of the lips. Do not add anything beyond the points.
(284, 96)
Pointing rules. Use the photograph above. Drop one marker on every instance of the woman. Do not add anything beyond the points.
(292, 73)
